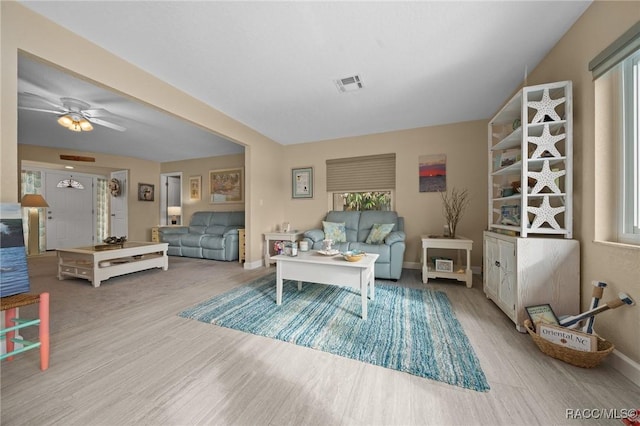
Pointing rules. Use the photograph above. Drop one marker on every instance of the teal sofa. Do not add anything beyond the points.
(210, 235)
(358, 226)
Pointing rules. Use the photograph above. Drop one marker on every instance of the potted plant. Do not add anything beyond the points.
(453, 207)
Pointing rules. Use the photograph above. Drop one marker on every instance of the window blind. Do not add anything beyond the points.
(368, 173)
(624, 46)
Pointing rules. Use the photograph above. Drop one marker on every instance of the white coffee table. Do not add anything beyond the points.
(102, 262)
(332, 270)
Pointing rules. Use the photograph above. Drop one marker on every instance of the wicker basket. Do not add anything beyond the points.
(571, 356)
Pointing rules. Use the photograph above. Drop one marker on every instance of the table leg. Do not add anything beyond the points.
(266, 253)
(372, 282)
(278, 284)
(299, 285)
(425, 268)
(364, 284)
(468, 271)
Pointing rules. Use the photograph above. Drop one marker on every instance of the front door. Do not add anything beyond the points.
(70, 218)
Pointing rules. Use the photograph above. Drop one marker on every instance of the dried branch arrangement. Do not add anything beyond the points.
(453, 207)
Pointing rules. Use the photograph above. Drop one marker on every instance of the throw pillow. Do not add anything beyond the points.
(379, 232)
(335, 231)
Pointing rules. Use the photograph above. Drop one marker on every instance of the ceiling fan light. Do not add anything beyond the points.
(85, 125)
(65, 121)
(75, 127)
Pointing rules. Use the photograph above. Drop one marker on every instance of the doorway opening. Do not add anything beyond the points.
(171, 198)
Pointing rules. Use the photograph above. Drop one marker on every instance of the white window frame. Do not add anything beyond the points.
(629, 199)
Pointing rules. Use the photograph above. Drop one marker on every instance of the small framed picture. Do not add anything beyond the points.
(195, 185)
(444, 265)
(542, 314)
(302, 183)
(146, 192)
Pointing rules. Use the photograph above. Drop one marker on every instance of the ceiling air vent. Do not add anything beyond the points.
(349, 84)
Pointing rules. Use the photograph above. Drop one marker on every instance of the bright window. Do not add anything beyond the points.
(629, 201)
(370, 200)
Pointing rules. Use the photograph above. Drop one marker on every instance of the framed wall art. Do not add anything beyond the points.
(302, 183)
(226, 185)
(432, 173)
(146, 192)
(195, 187)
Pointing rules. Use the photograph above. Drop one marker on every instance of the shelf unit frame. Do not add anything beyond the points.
(518, 108)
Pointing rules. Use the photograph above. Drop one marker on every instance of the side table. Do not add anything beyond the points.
(459, 273)
(278, 236)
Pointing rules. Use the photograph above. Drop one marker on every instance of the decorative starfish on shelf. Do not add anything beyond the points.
(545, 106)
(546, 142)
(546, 177)
(545, 213)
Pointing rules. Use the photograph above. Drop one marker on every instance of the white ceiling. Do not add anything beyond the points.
(272, 65)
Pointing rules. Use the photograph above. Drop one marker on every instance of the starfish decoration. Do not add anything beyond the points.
(545, 213)
(545, 106)
(546, 177)
(546, 142)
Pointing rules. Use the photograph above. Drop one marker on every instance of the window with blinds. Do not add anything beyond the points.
(362, 183)
(368, 173)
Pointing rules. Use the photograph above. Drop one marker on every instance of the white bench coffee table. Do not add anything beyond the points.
(102, 262)
(332, 270)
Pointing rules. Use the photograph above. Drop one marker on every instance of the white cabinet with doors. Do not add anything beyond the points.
(520, 272)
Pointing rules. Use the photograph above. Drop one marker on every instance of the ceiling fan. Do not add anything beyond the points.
(74, 114)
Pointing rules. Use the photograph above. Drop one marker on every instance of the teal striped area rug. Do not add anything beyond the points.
(410, 330)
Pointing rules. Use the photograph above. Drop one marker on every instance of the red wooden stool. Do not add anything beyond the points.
(9, 304)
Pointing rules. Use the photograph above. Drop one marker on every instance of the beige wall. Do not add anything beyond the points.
(24, 30)
(617, 265)
(464, 144)
(142, 215)
(201, 167)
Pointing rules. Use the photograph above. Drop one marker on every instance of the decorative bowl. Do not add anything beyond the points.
(353, 255)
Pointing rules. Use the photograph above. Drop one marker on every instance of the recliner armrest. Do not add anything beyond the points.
(395, 237)
(314, 235)
(231, 231)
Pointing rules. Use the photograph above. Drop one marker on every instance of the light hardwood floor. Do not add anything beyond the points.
(121, 356)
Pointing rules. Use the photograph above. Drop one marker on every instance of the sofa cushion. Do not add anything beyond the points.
(351, 220)
(199, 222)
(379, 232)
(370, 217)
(334, 231)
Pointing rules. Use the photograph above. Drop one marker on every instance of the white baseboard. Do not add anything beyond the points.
(254, 265)
(625, 365)
(412, 265)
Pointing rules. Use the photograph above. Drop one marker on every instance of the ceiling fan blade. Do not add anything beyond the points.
(41, 98)
(42, 110)
(106, 124)
(97, 112)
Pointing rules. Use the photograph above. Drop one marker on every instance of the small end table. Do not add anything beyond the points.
(292, 236)
(441, 242)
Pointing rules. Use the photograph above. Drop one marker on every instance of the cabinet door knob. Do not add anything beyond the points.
(497, 263)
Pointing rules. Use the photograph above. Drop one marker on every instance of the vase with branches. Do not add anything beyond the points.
(454, 205)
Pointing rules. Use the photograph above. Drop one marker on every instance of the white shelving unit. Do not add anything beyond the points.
(531, 148)
(529, 255)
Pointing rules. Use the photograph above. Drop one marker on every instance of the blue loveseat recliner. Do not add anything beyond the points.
(358, 225)
(210, 235)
